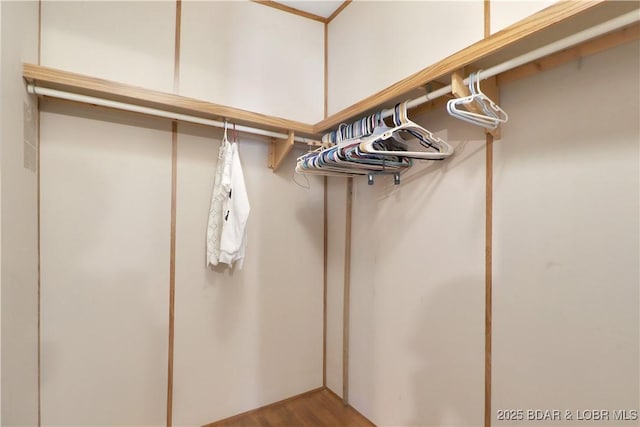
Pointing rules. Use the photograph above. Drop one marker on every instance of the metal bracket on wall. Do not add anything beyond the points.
(396, 177)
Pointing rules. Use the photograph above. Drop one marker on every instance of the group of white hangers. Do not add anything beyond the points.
(461, 107)
(368, 146)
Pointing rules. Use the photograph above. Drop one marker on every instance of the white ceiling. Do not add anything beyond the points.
(322, 8)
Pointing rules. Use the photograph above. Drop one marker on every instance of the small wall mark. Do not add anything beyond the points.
(30, 136)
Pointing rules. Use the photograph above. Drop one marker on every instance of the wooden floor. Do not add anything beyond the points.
(319, 408)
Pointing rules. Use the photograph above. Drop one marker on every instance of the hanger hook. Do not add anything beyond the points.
(478, 82)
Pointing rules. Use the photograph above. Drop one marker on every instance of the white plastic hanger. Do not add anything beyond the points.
(343, 158)
(436, 148)
(493, 114)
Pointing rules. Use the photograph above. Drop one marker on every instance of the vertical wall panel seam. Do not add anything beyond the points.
(39, 31)
(176, 62)
(324, 286)
(172, 271)
(488, 278)
(172, 256)
(326, 70)
(487, 18)
(488, 250)
(325, 227)
(39, 260)
(347, 294)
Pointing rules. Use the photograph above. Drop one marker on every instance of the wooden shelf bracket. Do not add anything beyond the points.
(492, 90)
(278, 150)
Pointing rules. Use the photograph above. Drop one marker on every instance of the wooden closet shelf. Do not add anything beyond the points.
(555, 22)
(52, 78)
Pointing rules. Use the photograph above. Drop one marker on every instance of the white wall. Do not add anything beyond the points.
(253, 57)
(566, 279)
(417, 312)
(130, 44)
(507, 12)
(374, 44)
(228, 49)
(19, 247)
(249, 337)
(243, 339)
(566, 251)
(404, 367)
(105, 210)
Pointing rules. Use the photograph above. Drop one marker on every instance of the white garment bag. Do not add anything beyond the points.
(218, 199)
(233, 240)
(229, 209)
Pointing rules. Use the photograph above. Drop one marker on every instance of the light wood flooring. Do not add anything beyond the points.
(318, 408)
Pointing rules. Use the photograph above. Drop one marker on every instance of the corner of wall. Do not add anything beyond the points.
(18, 203)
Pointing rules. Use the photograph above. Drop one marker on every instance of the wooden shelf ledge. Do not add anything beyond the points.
(553, 23)
(91, 86)
(557, 21)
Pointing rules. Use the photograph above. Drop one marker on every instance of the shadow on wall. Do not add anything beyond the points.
(417, 308)
(467, 140)
(429, 174)
(449, 383)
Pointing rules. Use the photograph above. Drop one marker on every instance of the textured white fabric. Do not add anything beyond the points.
(218, 201)
(233, 240)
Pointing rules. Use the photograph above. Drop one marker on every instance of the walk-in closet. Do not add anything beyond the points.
(320, 213)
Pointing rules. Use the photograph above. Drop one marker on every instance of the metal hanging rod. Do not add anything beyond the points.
(54, 93)
(595, 31)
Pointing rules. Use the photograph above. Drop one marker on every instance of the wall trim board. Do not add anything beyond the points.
(338, 11)
(488, 247)
(326, 70)
(559, 19)
(325, 249)
(172, 271)
(39, 349)
(325, 268)
(347, 294)
(172, 248)
(488, 259)
(39, 32)
(304, 14)
(487, 18)
(292, 10)
(225, 421)
(38, 196)
(176, 60)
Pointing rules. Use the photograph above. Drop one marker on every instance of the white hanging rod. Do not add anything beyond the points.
(36, 90)
(595, 31)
